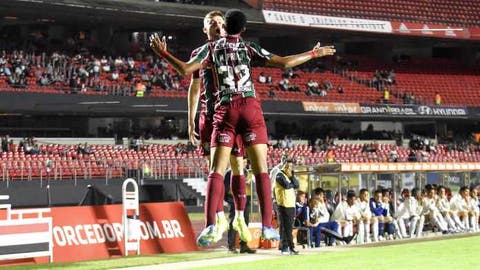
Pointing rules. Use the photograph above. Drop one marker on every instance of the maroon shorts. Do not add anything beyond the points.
(243, 116)
(205, 129)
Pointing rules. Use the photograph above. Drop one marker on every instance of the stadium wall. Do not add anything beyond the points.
(37, 193)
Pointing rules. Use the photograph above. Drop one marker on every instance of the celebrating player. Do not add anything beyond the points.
(237, 111)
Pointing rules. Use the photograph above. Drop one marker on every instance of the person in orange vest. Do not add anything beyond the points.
(139, 89)
(331, 155)
(438, 99)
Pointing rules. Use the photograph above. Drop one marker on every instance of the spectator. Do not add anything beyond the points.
(330, 156)
(105, 64)
(323, 93)
(412, 157)
(262, 78)
(386, 96)
(393, 156)
(391, 77)
(43, 80)
(5, 143)
(424, 154)
(180, 148)
(284, 84)
(438, 99)
(287, 142)
(140, 89)
(269, 80)
(312, 87)
(115, 75)
(190, 147)
(327, 85)
(271, 92)
(84, 149)
(288, 74)
(12, 147)
(340, 89)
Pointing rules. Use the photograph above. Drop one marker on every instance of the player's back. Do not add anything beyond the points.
(231, 58)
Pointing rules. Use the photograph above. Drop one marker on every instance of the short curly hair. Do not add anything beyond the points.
(235, 21)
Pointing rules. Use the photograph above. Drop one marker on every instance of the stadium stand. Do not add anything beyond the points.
(58, 73)
(61, 74)
(461, 13)
(57, 161)
(423, 78)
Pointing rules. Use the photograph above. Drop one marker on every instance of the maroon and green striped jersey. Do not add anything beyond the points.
(231, 57)
(207, 98)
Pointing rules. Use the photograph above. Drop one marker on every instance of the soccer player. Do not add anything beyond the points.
(432, 210)
(202, 88)
(366, 218)
(237, 111)
(347, 214)
(319, 221)
(445, 209)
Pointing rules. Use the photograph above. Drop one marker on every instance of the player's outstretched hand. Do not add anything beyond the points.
(320, 51)
(159, 46)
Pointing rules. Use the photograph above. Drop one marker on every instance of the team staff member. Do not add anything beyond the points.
(285, 185)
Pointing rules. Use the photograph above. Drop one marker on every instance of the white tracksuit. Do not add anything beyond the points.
(459, 204)
(364, 225)
(476, 212)
(450, 216)
(412, 212)
(430, 208)
(346, 214)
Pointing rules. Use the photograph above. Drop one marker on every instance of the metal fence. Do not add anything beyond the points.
(106, 169)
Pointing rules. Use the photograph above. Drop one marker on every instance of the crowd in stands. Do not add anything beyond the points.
(339, 79)
(291, 81)
(414, 81)
(380, 216)
(85, 72)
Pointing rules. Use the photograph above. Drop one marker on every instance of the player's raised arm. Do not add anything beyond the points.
(159, 46)
(298, 59)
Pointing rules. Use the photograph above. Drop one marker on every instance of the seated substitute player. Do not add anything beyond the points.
(431, 209)
(237, 111)
(347, 214)
(447, 212)
(379, 210)
(319, 221)
(366, 218)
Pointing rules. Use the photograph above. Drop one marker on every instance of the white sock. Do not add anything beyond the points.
(420, 226)
(367, 231)
(221, 215)
(375, 230)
